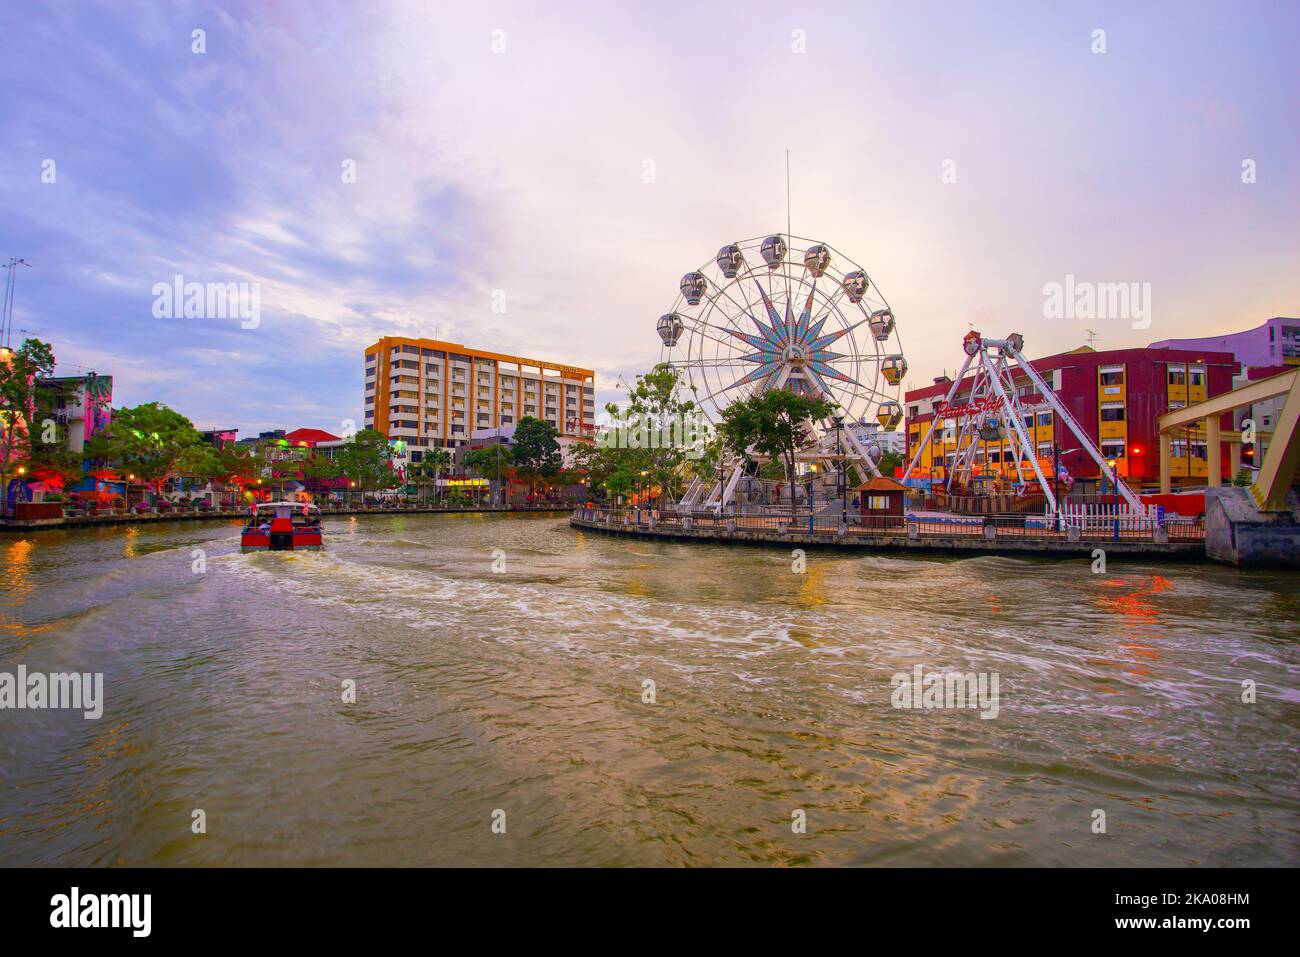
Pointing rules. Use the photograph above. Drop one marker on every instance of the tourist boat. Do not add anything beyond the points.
(282, 527)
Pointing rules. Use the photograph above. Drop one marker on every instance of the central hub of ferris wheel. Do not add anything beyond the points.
(783, 312)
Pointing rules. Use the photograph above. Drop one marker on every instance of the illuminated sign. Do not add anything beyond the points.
(990, 403)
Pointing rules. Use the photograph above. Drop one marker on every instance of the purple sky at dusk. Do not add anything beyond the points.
(522, 171)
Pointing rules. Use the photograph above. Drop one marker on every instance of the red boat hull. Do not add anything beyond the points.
(281, 536)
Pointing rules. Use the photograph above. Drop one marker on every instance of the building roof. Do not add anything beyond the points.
(455, 348)
(310, 436)
(1088, 357)
(880, 483)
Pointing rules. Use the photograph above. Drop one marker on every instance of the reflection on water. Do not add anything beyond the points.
(524, 691)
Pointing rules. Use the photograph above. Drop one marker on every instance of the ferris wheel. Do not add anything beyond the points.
(763, 314)
(767, 313)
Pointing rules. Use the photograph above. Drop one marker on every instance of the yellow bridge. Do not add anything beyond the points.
(1278, 469)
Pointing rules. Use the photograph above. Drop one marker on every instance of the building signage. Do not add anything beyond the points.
(990, 403)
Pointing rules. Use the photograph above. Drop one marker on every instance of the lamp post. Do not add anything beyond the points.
(841, 477)
(1056, 479)
(1114, 481)
(721, 488)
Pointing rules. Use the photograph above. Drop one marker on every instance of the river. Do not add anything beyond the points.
(500, 666)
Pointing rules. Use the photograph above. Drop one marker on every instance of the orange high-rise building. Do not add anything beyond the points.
(433, 394)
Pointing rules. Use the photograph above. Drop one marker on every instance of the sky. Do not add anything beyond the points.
(967, 155)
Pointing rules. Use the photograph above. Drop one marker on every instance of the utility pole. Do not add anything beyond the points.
(7, 313)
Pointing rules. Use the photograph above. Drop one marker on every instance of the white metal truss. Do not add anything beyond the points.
(994, 379)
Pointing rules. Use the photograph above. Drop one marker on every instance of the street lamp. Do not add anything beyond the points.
(841, 476)
(1057, 452)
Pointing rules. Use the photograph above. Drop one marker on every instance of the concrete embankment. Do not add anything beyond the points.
(226, 515)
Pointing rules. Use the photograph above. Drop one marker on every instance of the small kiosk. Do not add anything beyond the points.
(880, 500)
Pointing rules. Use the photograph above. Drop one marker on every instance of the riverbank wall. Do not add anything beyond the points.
(229, 514)
(907, 537)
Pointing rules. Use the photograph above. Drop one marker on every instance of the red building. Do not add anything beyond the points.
(1116, 397)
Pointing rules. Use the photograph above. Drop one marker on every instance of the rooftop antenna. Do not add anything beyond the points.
(1092, 338)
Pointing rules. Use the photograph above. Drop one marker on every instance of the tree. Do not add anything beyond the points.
(536, 451)
(655, 432)
(432, 464)
(199, 464)
(772, 423)
(21, 373)
(365, 460)
(491, 462)
(145, 441)
(237, 467)
(889, 463)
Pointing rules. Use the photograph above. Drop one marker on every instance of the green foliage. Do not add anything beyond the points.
(536, 451)
(652, 419)
(147, 441)
(21, 392)
(772, 423)
(424, 473)
(365, 460)
(490, 462)
(1242, 478)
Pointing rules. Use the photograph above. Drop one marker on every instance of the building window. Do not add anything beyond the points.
(1112, 376)
(1112, 412)
(1044, 418)
(1112, 448)
(1177, 377)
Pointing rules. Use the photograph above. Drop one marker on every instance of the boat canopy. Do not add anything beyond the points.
(285, 509)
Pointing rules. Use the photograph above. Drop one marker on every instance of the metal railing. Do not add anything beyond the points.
(1013, 526)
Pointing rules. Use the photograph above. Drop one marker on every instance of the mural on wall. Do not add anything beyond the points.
(99, 402)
